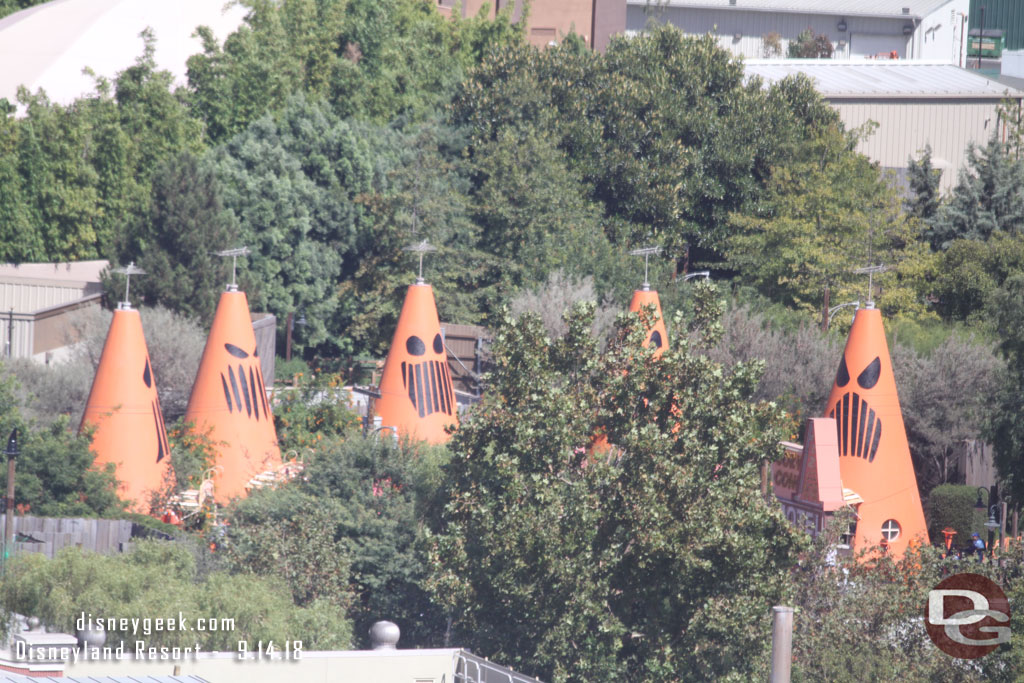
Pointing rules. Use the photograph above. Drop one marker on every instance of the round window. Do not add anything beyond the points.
(891, 530)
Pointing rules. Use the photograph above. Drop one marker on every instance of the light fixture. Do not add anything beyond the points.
(992, 523)
(737, 37)
(842, 44)
(841, 26)
(908, 29)
(979, 505)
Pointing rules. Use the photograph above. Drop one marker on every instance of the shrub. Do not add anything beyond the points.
(952, 505)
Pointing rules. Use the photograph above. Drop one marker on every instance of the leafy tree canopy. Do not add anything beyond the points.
(658, 556)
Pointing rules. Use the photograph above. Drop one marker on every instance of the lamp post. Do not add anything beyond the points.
(12, 455)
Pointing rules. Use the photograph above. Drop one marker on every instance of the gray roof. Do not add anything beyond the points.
(849, 8)
(16, 678)
(884, 79)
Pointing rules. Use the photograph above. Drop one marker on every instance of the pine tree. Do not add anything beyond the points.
(989, 196)
(924, 183)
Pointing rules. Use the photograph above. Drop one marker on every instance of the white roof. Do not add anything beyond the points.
(869, 78)
(47, 46)
(850, 8)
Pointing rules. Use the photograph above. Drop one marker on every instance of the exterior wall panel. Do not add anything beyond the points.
(936, 37)
(752, 26)
(905, 127)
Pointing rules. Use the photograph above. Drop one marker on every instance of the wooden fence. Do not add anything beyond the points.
(47, 535)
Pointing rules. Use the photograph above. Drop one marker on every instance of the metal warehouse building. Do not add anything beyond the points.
(912, 29)
(914, 104)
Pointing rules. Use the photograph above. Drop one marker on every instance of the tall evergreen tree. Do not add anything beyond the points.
(924, 184)
(989, 196)
(186, 223)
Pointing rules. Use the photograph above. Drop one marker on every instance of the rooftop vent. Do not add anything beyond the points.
(384, 635)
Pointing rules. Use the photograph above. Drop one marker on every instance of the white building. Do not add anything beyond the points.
(912, 29)
(914, 104)
(47, 46)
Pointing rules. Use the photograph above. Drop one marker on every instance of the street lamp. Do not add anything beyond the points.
(992, 524)
(11, 452)
(979, 505)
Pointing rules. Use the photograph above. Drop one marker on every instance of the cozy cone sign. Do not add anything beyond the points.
(874, 457)
(229, 400)
(416, 393)
(124, 411)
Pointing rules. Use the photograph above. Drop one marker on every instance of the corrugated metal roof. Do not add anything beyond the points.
(884, 78)
(867, 8)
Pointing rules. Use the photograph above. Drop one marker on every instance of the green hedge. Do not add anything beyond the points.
(953, 505)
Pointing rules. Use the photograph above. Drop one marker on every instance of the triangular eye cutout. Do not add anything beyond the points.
(869, 377)
(843, 376)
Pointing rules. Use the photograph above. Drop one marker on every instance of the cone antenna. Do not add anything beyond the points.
(128, 271)
(870, 272)
(421, 248)
(234, 254)
(646, 252)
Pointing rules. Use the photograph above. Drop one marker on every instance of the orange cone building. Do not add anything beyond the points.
(417, 396)
(124, 410)
(657, 335)
(874, 457)
(229, 400)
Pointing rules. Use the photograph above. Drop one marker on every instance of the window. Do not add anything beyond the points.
(846, 540)
(891, 530)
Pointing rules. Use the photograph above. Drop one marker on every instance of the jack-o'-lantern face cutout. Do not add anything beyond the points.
(428, 382)
(162, 446)
(243, 384)
(859, 428)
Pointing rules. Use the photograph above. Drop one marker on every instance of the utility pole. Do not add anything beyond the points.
(782, 644)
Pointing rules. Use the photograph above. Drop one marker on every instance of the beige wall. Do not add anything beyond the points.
(906, 126)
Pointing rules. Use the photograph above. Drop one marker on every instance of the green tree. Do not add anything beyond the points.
(161, 578)
(809, 45)
(859, 620)
(924, 184)
(1007, 430)
(988, 197)
(348, 533)
(661, 128)
(656, 560)
(291, 183)
(825, 211)
(369, 59)
(175, 241)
